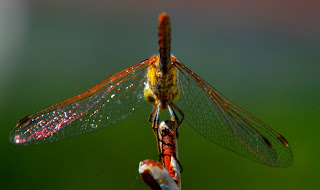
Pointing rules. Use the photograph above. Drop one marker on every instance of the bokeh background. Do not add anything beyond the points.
(263, 55)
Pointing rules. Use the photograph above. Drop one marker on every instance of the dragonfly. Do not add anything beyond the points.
(167, 85)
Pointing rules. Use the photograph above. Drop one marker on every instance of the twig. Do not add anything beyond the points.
(166, 176)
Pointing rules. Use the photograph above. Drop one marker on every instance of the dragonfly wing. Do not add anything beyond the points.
(218, 119)
(102, 105)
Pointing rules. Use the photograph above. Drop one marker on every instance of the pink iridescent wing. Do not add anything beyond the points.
(218, 119)
(102, 105)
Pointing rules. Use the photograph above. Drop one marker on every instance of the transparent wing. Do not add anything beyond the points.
(226, 124)
(104, 104)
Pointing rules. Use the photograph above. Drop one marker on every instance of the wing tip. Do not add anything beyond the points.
(17, 139)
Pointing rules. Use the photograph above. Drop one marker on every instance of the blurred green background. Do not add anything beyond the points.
(262, 55)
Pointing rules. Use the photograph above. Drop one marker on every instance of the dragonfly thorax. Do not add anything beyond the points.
(161, 87)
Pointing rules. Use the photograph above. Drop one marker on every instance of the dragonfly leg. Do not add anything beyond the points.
(174, 118)
(155, 125)
(180, 112)
(173, 115)
(151, 117)
(180, 166)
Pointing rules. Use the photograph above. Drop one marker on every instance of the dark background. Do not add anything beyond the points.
(262, 55)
